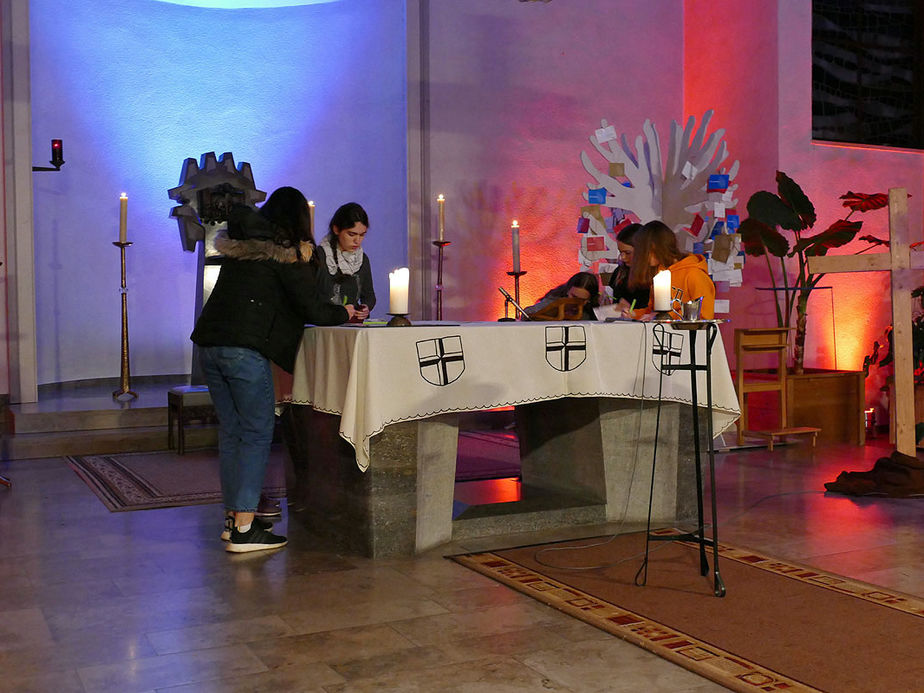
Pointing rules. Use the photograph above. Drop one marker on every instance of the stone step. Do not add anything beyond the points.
(23, 421)
(22, 446)
(491, 525)
(538, 509)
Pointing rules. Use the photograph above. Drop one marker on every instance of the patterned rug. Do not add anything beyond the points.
(141, 481)
(780, 627)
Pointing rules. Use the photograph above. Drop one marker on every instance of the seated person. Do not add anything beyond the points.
(582, 285)
(624, 296)
(656, 249)
(346, 275)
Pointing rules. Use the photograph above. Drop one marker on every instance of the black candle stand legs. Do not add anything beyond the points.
(440, 244)
(699, 536)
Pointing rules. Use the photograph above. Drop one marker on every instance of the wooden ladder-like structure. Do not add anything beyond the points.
(769, 340)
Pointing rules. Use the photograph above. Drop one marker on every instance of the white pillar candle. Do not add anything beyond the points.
(397, 291)
(440, 200)
(123, 217)
(515, 239)
(311, 214)
(662, 290)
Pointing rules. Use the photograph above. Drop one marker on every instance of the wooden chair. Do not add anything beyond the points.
(774, 341)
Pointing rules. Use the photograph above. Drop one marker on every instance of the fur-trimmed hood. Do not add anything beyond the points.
(261, 249)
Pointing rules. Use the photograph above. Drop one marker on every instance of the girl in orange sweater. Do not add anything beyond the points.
(689, 272)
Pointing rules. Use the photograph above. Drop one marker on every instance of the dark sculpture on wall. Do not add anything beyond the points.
(206, 192)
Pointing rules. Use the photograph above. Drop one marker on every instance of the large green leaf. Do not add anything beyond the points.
(759, 238)
(841, 232)
(771, 211)
(792, 194)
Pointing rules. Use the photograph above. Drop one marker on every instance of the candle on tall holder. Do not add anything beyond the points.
(123, 218)
(311, 214)
(398, 297)
(440, 244)
(124, 392)
(441, 201)
(515, 242)
(516, 273)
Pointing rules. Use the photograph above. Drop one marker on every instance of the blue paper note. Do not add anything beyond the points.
(718, 182)
(733, 222)
(596, 196)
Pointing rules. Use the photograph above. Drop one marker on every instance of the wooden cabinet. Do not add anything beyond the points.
(830, 400)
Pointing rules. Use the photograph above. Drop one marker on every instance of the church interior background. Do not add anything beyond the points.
(489, 103)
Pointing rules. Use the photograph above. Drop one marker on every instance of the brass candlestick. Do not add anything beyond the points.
(398, 320)
(124, 392)
(439, 277)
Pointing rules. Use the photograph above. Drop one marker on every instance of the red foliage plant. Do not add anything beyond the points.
(769, 214)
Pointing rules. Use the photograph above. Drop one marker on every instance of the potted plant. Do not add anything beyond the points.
(917, 345)
(763, 234)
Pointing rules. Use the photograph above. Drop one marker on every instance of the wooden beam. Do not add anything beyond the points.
(876, 262)
(903, 281)
(902, 264)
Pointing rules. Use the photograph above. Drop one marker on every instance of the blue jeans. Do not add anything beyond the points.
(240, 383)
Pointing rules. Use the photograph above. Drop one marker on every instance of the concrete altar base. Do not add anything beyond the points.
(596, 449)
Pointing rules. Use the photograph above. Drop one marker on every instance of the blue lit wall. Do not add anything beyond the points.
(312, 94)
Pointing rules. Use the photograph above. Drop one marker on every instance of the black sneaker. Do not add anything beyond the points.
(229, 525)
(268, 507)
(257, 538)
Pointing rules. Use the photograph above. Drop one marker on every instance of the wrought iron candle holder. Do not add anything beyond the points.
(439, 277)
(516, 284)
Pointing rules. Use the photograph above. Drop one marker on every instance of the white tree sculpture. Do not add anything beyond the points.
(673, 191)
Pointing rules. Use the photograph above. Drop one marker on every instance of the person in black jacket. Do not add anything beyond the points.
(348, 275)
(265, 294)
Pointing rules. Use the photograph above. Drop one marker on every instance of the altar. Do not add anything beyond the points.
(375, 414)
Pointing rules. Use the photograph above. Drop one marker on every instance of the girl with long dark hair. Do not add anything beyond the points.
(265, 294)
(346, 275)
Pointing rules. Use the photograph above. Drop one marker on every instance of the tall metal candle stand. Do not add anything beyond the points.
(516, 284)
(711, 329)
(439, 278)
(124, 393)
(3, 480)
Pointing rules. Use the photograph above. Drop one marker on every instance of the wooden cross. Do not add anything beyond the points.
(902, 263)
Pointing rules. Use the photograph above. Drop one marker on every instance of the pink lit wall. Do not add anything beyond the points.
(760, 83)
(516, 89)
(738, 78)
(826, 171)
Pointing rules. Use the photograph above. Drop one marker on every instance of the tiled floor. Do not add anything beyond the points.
(149, 601)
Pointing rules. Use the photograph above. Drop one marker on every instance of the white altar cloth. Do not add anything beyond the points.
(373, 376)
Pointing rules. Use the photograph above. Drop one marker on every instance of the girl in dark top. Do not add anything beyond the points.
(623, 295)
(265, 293)
(347, 276)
